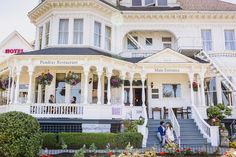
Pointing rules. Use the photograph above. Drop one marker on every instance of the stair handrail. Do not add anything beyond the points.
(175, 124)
(201, 123)
(219, 69)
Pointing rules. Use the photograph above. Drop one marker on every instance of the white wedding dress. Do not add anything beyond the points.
(170, 135)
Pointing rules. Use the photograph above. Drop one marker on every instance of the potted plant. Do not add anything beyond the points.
(72, 78)
(217, 113)
(116, 82)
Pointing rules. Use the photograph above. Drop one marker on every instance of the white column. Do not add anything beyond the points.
(99, 90)
(143, 77)
(131, 90)
(12, 87)
(123, 89)
(31, 72)
(109, 88)
(199, 92)
(86, 74)
(18, 71)
(203, 103)
(219, 90)
(191, 77)
(9, 88)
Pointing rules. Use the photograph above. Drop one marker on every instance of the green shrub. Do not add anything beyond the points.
(19, 135)
(100, 140)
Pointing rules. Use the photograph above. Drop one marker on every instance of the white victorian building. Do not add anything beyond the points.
(175, 57)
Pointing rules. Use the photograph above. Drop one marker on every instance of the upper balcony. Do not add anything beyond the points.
(138, 44)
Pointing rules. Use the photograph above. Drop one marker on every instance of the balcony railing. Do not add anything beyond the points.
(182, 44)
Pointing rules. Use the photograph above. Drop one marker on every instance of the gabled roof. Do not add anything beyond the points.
(168, 56)
(206, 5)
(12, 35)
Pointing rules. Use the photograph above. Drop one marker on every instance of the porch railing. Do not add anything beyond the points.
(175, 124)
(209, 132)
(56, 109)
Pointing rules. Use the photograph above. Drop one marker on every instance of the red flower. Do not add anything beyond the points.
(162, 153)
(50, 155)
(43, 155)
(189, 149)
(109, 154)
(177, 151)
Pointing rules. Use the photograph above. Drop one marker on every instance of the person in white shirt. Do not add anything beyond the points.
(169, 133)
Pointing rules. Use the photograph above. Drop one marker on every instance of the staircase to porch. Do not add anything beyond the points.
(190, 135)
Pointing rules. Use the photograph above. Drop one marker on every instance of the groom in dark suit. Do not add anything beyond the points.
(161, 133)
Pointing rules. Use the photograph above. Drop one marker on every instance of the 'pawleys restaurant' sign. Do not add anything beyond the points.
(59, 62)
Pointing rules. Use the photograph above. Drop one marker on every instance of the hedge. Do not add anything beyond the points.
(77, 140)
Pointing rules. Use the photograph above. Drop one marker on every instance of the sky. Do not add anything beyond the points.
(13, 16)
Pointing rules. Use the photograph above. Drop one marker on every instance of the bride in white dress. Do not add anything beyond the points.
(169, 133)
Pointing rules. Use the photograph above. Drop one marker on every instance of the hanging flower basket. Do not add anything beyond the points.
(195, 86)
(45, 79)
(4, 84)
(116, 82)
(72, 78)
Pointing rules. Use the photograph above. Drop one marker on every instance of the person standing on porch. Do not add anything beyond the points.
(51, 99)
(161, 133)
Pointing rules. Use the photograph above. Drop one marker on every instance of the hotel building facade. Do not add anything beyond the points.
(171, 57)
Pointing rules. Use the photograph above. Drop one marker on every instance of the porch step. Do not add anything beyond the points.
(152, 132)
(190, 133)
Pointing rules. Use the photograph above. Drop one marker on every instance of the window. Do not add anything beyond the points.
(149, 41)
(162, 2)
(136, 2)
(97, 34)
(75, 91)
(206, 40)
(171, 90)
(47, 32)
(63, 31)
(60, 87)
(108, 38)
(155, 93)
(167, 42)
(130, 44)
(40, 37)
(78, 31)
(230, 40)
(149, 2)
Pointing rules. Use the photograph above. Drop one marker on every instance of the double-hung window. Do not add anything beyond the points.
(63, 31)
(78, 31)
(230, 40)
(206, 39)
(108, 38)
(47, 33)
(150, 2)
(97, 34)
(136, 2)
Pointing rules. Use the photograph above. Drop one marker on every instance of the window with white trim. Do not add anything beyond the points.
(206, 39)
(78, 31)
(167, 42)
(148, 41)
(97, 34)
(150, 2)
(47, 33)
(63, 31)
(230, 40)
(131, 45)
(108, 38)
(40, 37)
(136, 2)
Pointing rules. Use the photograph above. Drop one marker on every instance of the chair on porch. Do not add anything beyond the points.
(187, 111)
(180, 111)
(165, 113)
(156, 109)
